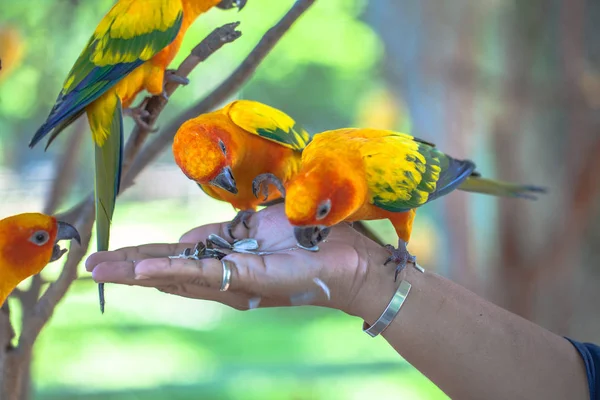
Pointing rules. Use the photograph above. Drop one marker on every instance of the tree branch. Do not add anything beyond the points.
(221, 93)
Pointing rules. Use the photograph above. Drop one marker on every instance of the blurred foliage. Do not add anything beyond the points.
(325, 73)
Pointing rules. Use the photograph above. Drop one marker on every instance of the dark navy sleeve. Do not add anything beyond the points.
(591, 358)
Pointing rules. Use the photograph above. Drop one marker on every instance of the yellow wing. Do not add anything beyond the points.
(267, 122)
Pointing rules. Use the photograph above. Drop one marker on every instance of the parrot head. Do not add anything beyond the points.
(205, 153)
(27, 243)
(321, 196)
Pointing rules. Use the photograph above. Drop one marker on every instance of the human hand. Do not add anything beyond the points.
(290, 276)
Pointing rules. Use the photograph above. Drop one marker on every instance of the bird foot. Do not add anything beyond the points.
(171, 76)
(242, 217)
(400, 256)
(138, 114)
(260, 185)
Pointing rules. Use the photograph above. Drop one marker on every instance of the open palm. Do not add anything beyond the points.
(330, 277)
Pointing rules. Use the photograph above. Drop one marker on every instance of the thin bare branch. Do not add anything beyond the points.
(66, 168)
(221, 93)
(7, 332)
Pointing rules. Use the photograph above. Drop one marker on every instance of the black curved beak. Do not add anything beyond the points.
(65, 232)
(225, 181)
(308, 237)
(229, 4)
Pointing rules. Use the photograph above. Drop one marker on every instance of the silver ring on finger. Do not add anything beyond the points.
(226, 275)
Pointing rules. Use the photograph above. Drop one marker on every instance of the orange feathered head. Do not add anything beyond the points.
(204, 150)
(27, 243)
(321, 195)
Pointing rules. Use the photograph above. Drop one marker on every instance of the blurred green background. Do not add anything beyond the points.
(512, 85)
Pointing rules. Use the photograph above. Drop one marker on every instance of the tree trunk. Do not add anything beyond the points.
(11, 365)
(12, 376)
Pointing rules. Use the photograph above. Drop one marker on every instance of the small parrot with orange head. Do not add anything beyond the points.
(129, 52)
(27, 243)
(225, 150)
(367, 174)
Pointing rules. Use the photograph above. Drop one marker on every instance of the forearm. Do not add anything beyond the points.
(470, 348)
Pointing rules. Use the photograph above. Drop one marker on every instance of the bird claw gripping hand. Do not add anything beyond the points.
(400, 256)
(260, 185)
(241, 217)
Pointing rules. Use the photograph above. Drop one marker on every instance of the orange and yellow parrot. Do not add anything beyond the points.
(27, 243)
(225, 150)
(130, 51)
(367, 174)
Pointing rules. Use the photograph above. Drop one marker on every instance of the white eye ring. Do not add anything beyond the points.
(323, 209)
(40, 238)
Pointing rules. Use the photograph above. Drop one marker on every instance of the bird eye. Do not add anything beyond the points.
(323, 209)
(40, 238)
(222, 146)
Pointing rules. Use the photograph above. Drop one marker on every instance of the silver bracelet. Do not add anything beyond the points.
(391, 310)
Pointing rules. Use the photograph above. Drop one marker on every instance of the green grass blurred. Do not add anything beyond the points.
(152, 345)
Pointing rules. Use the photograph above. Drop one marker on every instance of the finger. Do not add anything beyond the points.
(136, 253)
(206, 273)
(122, 272)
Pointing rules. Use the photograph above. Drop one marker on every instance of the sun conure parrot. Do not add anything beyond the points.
(27, 243)
(225, 150)
(367, 174)
(130, 51)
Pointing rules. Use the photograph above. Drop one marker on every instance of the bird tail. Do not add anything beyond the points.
(492, 187)
(108, 179)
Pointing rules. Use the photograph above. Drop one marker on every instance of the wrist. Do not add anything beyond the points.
(378, 286)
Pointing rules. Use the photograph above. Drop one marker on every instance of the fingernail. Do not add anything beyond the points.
(141, 277)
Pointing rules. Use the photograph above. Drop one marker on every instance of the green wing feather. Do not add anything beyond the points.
(404, 173)
(123, 41)
(269, 123)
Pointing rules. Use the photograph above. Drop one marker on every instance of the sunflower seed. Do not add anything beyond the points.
(245, 244)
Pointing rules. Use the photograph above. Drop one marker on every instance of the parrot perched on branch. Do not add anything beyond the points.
(225, 150)
(27, 243)
(368, 174)
(130, 51)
